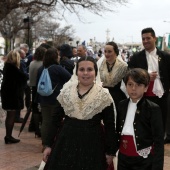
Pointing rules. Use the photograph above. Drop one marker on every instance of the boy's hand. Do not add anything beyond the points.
(109, 159)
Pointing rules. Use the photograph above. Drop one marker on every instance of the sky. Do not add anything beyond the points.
(125, 24)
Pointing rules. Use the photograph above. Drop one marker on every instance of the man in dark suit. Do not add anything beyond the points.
(157, 63)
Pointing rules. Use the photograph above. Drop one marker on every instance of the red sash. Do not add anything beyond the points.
(127, 146)
(150, 88)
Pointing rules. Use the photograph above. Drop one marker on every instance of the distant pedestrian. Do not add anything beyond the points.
(12, 92)
(81, 51)
(33, 71)
(49, 104)
(65, 58)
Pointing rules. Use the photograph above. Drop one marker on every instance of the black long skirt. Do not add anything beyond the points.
(79, 146)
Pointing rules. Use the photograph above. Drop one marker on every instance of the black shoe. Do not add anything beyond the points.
(167, 141)
(9, 140)
(20, 120)
(31, 128)
(38, 134)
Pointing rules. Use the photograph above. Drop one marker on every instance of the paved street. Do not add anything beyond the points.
(27, 155)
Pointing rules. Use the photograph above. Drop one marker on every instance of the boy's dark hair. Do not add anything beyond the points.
(50, 57)
(87, 58)
(148, 30)
(115, 47)
(138, 75)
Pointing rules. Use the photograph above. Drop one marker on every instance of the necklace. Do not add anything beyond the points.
(110, 66)
(82, 95)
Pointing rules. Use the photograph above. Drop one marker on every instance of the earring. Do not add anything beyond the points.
(94, 81)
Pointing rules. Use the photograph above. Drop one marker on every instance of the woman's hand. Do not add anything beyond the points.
(109, 159)
(46, 153)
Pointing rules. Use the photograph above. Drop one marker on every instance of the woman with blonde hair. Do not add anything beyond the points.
(12, 91)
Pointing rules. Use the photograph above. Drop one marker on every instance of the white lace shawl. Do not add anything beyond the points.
(93, 103)
(112, 78)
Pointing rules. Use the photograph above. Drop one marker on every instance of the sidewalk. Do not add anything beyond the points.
(27, 155)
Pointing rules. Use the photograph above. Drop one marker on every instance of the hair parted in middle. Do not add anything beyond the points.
(115, 47)
(87, 58)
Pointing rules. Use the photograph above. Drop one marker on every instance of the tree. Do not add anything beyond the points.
(40, 27)
(74, 6)
(9, 28)
(51, 31)
(27, 5)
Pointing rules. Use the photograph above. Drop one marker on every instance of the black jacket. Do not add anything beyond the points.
(148, 128)
(67, 64)
(138, 60)
(12, 89)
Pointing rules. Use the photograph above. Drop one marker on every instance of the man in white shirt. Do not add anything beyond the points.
(157, 63)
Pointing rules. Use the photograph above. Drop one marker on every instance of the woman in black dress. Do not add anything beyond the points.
(112, 70)
(82, 143)
(12, 92)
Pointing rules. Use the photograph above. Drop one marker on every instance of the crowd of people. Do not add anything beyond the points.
(101, 108)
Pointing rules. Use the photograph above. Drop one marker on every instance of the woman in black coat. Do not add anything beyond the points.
(12, 91)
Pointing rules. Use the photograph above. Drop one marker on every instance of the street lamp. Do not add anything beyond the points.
(27, 25)
(70, 41)
(77, 42)
(6, 42)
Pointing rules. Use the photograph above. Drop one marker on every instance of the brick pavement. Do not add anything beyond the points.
(25, 155)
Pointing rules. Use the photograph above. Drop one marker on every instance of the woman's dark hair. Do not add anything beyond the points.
(115, 47)
(138, 75)
(50, 57)
(45, 45)
(39, 53)
(87, 58)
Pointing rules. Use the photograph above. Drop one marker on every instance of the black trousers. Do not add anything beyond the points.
(168, 119)
(134, 162)
(162, 102)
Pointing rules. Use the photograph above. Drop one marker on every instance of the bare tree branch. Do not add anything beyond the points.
(74, 6)
(9, 5)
